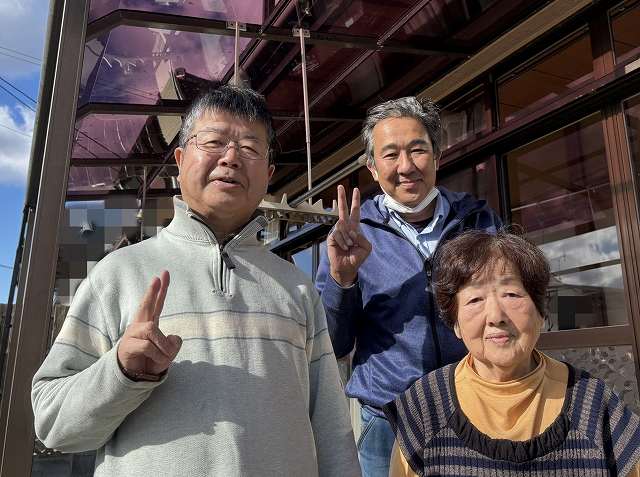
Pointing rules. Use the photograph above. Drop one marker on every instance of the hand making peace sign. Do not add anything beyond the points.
(347, 247)
(144, 351)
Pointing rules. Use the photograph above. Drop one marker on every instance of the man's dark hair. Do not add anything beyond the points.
(475, 252)
(244, 103)
(424, 111)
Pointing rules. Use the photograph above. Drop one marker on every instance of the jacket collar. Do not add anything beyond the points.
(190, 226)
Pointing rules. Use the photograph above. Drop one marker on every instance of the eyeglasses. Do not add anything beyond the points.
(214, 143)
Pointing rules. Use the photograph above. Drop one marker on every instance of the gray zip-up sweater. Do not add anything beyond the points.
(254, 389)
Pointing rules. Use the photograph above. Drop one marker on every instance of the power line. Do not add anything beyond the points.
(19, 52)
(17, 99)
(19, 58)
(15, 131)
(6, 266)
(18, 90)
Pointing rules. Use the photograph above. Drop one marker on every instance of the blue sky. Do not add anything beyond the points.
(22, 31)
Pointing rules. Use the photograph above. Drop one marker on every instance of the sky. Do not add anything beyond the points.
(23, 26)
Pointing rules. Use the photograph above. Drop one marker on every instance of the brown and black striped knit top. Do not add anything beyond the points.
(594, 434)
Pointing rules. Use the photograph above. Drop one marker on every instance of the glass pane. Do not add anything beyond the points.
(144, 65)
(323, 65)
(94, 179)
(247, 11)
(304, 261)
(632, 116)
(624, 30)
(102, 136)
(613, 364)
(359, 17)
(465, 23)
(109, 136)
(559, 192)
(479, 180)
(564, 70)
(463, 120)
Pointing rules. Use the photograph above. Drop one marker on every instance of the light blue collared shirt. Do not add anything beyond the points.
(427, 240)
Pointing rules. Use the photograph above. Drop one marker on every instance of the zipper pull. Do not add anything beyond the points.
(428, 269)
(227, 259)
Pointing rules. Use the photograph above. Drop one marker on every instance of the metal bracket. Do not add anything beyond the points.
(306, 33)
(241, 26)
(302, 213)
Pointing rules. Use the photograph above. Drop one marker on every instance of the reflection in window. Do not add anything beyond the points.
(304, 261)
(478, 180)
(624, 29)
(565, 69)
(632, 117)
(463, 120)
(560, 193)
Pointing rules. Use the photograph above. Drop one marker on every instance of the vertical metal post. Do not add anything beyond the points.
(236, 80)
(236, 51)
(305, 95)
(37, 275)
(143, 202)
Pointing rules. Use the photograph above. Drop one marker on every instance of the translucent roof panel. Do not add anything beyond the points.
(109, 136)
(323, 65)
(360, 17)
(139, 65)
(134, 68)
(246, 11)
(84, 179)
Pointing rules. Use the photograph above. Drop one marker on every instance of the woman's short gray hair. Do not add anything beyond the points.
(425, 111)
(244, 103)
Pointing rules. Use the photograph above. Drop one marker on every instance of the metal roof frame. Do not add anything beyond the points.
(136, 18)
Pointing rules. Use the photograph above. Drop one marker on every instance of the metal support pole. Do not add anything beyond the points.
(37, 274)
(236, 27)
(236, 51)
(305, 95)
(143, 202)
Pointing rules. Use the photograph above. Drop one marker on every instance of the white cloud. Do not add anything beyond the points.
(15, 144)
(23, 25)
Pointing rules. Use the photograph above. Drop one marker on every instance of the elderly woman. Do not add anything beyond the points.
(506, 408)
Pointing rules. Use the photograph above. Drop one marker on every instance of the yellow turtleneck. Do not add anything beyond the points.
(517, 410)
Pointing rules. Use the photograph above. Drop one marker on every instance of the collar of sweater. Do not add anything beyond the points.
(190, 226)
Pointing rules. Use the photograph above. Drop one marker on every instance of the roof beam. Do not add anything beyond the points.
(178, 107)
(131, 160)
(88, 195)
(124, 17)
(156, 160)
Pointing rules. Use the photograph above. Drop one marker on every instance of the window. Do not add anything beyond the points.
(565, 69)
(479, 179)
(625, 19)
(559, 192)
(304, 261)
(463, 120)
(632, 119)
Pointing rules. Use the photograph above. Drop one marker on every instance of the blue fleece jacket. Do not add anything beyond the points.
(390, 314)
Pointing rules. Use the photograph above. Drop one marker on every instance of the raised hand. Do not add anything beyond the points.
(144, 349)
(347, 247)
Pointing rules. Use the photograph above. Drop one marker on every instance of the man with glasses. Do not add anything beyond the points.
(375, 277)
(228, 370)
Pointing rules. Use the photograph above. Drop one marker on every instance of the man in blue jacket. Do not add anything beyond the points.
(375, 277)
